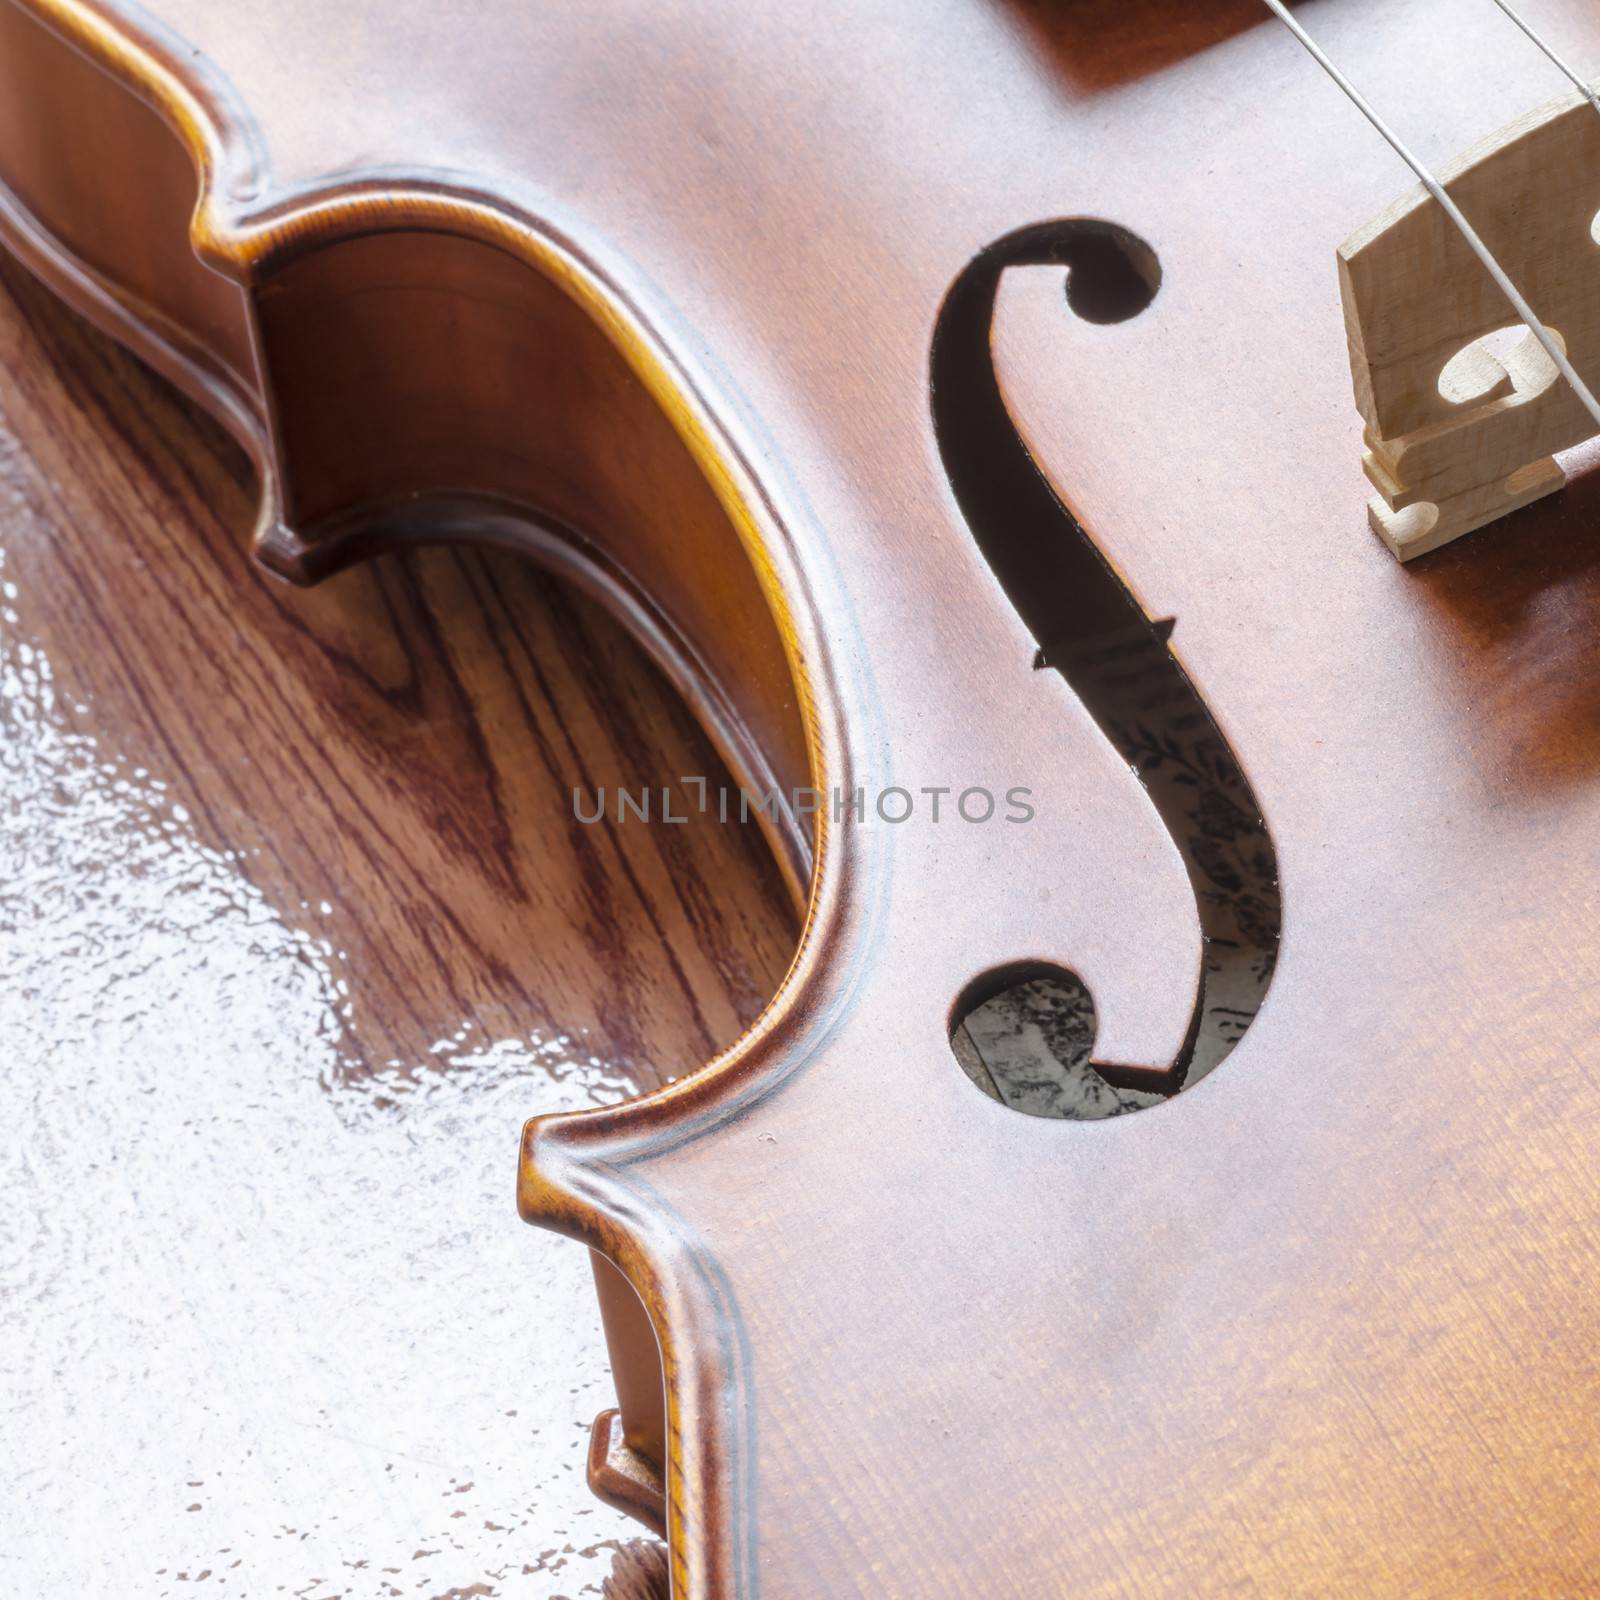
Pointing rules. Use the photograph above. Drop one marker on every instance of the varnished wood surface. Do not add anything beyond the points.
(386, 763)
(1324, 1325)
(416, 729)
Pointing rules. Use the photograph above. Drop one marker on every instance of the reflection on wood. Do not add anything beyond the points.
(386, 761)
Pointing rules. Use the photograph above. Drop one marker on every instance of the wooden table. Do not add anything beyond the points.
(298, 925)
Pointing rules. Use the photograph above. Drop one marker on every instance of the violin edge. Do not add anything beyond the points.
(239, 231)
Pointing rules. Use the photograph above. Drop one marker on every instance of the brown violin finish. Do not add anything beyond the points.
(661, 294)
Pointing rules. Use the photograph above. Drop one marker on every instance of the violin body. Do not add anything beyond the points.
(809, 339)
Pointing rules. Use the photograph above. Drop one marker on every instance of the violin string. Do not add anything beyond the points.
(1448, 206)
(1584, 88)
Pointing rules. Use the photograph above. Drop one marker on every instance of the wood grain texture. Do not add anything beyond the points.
(1324, 1325)
(1459, 435)
(464, 696)
(399, 745)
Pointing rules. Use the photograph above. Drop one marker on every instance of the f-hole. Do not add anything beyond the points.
(1118, 661)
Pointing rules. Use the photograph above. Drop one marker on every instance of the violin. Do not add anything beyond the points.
(974, 408)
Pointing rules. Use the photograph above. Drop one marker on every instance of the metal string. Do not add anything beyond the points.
(1585, 89)
(1449, 207)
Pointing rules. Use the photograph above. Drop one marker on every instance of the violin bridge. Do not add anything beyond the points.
(1464, 410)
